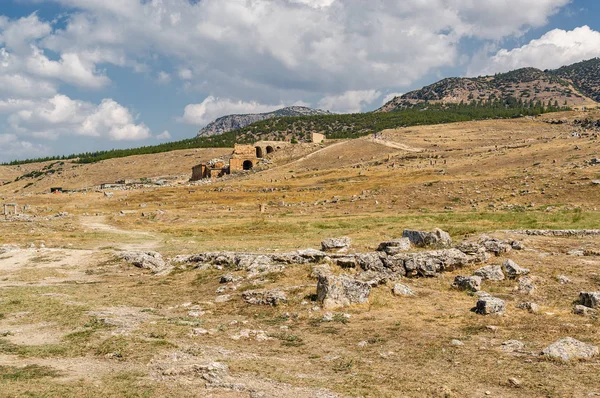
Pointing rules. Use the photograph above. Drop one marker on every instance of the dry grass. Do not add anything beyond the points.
(332, 193)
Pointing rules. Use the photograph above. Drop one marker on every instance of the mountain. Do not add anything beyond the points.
(585, 76)
(573, 86)
(234, 122)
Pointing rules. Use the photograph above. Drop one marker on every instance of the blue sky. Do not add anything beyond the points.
(85, 75)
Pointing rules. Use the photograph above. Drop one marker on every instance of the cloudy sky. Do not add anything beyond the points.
(83, 75)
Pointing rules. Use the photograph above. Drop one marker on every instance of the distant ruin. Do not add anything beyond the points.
(243, 158)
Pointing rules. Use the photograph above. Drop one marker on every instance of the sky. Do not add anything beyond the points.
(87, 75)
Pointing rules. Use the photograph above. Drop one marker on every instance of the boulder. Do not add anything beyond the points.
(490, 306)
(495, 245)
(512, 346)
(264, 297)
(526, 285)
(583, 310)
(336, 244)
(513, 270)
(563, 280)
(471, 283)
(436, 238)
(477, 252)
(341, 291)
(230, 278)
(395, 246)
(490, 273)
(430, 263)
(402, 290)
(530, 307)
(517, 245)
(569, 348)
(152, 261)
(590, 299)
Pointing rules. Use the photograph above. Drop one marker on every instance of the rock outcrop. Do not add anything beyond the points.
(436, 238)
(341, 291)
(569, 348)
(150, 260)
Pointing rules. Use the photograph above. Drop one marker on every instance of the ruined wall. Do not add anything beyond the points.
(244, 152)
(317, 138)
(199, 172)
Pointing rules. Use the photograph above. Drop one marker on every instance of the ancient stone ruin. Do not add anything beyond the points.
(243, 158)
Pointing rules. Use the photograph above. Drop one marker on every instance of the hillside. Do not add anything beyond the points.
(584, 75)
(234, 122)
(527, 85)
(208, 290)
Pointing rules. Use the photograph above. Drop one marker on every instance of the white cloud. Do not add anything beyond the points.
(13, 148)
(164, 77)
(185, 74)
(165, 135)
(62, 116)
(388, 97)
(349, 102)
(212, 108)
(554, 49)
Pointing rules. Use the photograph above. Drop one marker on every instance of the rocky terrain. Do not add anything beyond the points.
(456, 260)
(228, 123)
(572, 86)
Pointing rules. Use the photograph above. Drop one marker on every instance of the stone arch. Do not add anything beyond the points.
(259, 152)
(247, 165)
(269, 149)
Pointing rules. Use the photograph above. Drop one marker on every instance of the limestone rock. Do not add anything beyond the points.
(336, 244)
(512, 346)
(490, 272)
(341, 291)
(528, 306)
(490, 306)
(430, 263)
(402, 290)
(563, 280)
(152, 261)
(230, 278)
(526, 285)
(513, 270)
(395, 246)
(264, 297)
(495, 245)
(583, 310)
(590, 299)
(471, 283)
(569, 348)
(436, 238)
(517, 245)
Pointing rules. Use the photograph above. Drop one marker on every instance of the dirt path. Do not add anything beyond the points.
(395, 145)
(98, 224)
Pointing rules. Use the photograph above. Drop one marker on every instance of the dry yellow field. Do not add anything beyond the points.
(76, 321)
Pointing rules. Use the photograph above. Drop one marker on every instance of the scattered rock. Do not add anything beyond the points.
(563, 280)
(569, 348)
(393, 247)
(230, 278)
(456, 342)
(495, 245)
(517, 245)
(583, 310)
(490, 273)
(528, 306)
(320, 269)
(436, 238)
(341, 291)
(526, 285)
(431, 263)
(402, 290)
(152, 261)
(264, 297)
(258, 335)
(513, 270)
(514, 382)
(512, 346)
(490, 306)
(471, 283)
(223, 298)
(336, 244)
(590, 299)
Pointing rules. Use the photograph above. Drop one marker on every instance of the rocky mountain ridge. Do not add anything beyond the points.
(228, 123)
(576, 85)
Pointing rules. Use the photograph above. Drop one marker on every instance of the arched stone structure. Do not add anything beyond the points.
(247, 165)
(259, 152)
(269, 149)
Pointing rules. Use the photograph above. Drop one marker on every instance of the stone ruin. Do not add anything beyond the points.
(243, 158)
